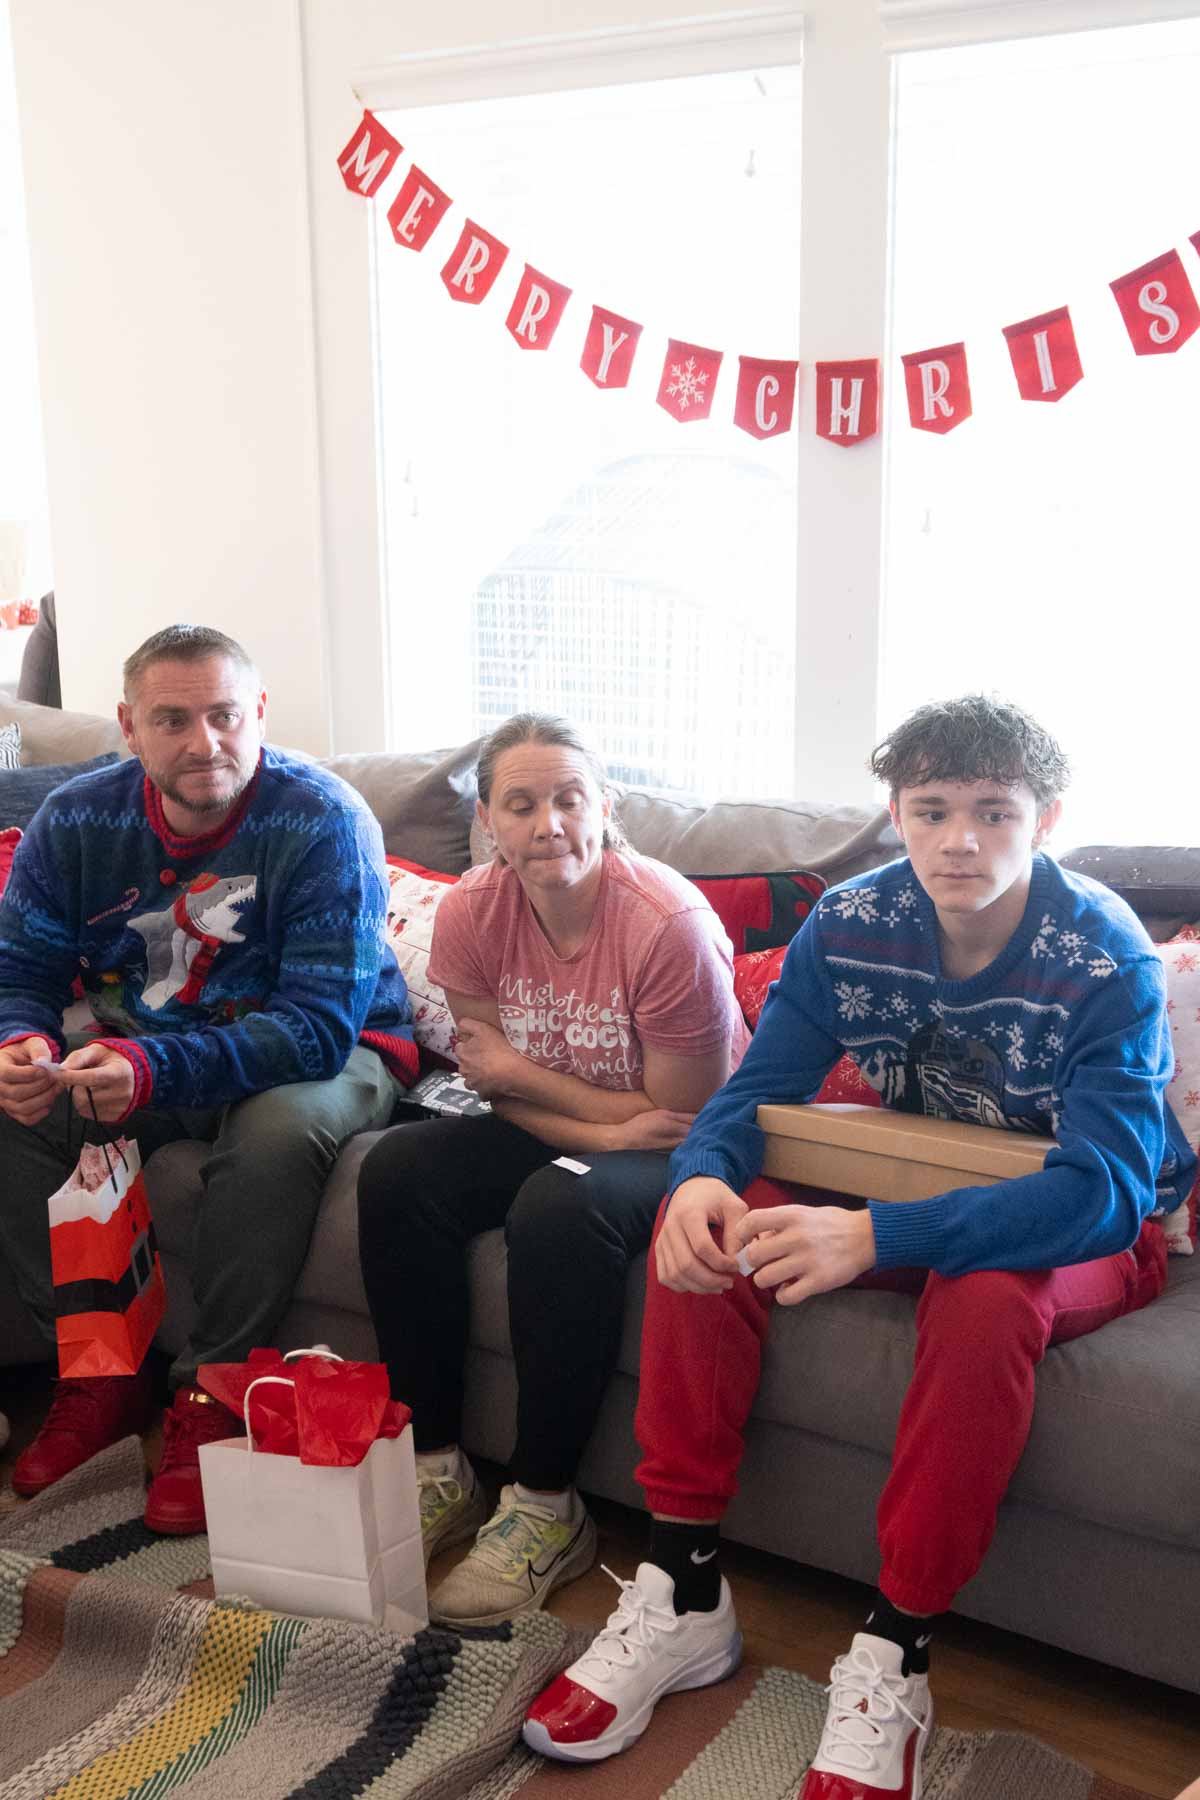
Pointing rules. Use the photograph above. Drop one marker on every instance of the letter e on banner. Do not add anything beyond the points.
(417, 210)
(848, 400)
(609, 349)
(688, 380)
(766, 395)
(939, 394)
(477, 259)
(1157, 305)
(1045, 357)
(369, 157)
(535, 312)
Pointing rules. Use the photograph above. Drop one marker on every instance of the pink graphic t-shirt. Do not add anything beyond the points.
(655, 968)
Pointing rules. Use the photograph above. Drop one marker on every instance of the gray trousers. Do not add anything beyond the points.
(271, 1156)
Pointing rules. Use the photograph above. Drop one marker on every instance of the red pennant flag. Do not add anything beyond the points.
(939, 394)
(536, 310)
(1157, 305)
(417, 210)
(1194, 240)
(609, 349)
(689, 378)
(766, 395)
(848, 400)
(477, 260)
(369, 157)
(1045, 357)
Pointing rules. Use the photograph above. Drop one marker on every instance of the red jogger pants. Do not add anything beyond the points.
(965, 1417)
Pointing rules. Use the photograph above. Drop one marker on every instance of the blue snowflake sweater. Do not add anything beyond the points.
(219, 965)
(1065, 1033)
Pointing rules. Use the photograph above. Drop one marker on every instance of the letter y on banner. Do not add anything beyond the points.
(477, 259)
(848, 400)
(1157, 305)
(609, 349)
(369, 157)
(1045, 357)
(766, 395)
(939, 394)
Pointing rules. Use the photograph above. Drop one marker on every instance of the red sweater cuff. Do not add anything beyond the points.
(143, 1078)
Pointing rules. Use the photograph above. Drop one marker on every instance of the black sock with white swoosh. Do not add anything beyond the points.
(688, 1554)
(906, 1629)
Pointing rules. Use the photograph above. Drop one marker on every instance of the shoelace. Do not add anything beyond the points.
(73, 1404)
(434, 1488)
(854, 1731)
(185, 1430)
(630, 1630)
(510, 1538)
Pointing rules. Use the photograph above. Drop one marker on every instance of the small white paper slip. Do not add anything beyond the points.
(568, 1162)
(742, 1259)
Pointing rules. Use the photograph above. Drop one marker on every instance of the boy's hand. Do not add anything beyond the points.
(27, 1091)
(107, 1074)
(805, 1250)
(688, 1257)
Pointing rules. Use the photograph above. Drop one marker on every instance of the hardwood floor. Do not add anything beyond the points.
(1134, 1731)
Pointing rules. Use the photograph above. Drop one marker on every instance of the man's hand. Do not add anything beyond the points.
(107, 1074)
(804, 1250)
(688, 1257)
(487, 1061)
(658, 1129)
(27, 1093)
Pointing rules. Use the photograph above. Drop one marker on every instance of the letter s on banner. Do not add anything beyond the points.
(477, 259)
(848, 400)
(939, 394)
(369, 157)
(609, 349)
(766, 396)
(417, 210)
(1157, 305)
(536, 310)
(1045, 357)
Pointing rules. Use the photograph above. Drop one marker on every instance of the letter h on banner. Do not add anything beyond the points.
(848, 400)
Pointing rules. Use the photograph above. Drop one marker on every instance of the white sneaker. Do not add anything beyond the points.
(452, 1506)
(521, 1555)
(604, 1701)
(875, 1730)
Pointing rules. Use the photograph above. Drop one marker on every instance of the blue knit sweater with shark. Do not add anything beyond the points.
(1064, 1034)
(223, 965)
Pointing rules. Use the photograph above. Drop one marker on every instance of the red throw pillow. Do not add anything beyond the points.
(761, 911)
(8, 843)
(752, 976)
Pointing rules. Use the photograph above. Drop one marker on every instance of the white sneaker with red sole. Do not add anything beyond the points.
(875, 1730)
(603, 1702)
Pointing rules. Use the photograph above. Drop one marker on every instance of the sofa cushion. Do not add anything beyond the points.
(424, 802)
(10, 746)
(834, 841)
(49, 735)
(22, 791)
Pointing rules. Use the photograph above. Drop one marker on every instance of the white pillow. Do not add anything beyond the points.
(1181, 963)
(10, 746)
(412, 903)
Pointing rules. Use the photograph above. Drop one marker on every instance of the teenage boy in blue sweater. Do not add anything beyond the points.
(972, 980)
(224, 906)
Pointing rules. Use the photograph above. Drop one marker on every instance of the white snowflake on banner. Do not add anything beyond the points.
(853, 1002)
(687, 387)
(858, 903)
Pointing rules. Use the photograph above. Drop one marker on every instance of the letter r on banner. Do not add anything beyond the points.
(848, 400)
(536, 310)
(477, 259)
(609, 349)
(417, 210)
(369, 157)
(1045, 357)
(1157, 305)
(939, 394)
(766, 395)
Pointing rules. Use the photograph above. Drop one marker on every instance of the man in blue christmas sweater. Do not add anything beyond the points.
(224, 906)
(973, 980)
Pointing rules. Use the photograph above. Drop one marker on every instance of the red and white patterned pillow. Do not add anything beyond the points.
(753, 974)
(413, 900)
(1181, 963)
(8, 843)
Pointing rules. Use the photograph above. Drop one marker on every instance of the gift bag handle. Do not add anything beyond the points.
(280, 1381)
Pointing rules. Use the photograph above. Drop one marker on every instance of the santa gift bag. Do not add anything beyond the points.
(109, 1296)
(315, 1510)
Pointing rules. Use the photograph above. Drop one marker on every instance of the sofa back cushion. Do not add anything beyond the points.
(424, 801)
(49, 735)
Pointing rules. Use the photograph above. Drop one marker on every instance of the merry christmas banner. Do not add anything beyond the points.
(1156, 301)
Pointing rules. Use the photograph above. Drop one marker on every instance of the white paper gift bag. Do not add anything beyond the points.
(325, 1542)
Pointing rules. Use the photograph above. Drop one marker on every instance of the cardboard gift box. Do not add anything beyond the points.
(878, 1154)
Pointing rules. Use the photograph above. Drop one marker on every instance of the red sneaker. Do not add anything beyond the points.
(175, 1503)
(85, 1417)
(875, 1730)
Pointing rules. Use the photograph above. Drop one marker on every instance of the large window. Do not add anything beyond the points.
(580, 550)
(1048, 551)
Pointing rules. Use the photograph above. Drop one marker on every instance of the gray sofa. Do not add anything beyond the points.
(1098, 1547)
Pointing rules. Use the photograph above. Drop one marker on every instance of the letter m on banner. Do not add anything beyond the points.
(369, 157)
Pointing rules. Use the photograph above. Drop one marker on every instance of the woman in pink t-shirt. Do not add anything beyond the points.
(592, 991)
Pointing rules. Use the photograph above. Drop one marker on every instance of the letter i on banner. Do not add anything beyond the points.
(688, 380)
(1045, 357)
(609, 349)
(536, 310)
(848, 400)
(369, 157)
(939, 394)
(766, 395)
(477, 259)
(417, 210)
(1157, 305)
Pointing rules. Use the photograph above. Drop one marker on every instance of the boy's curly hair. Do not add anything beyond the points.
(976, 738)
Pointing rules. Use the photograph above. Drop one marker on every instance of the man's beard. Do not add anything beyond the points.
(215, 803)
